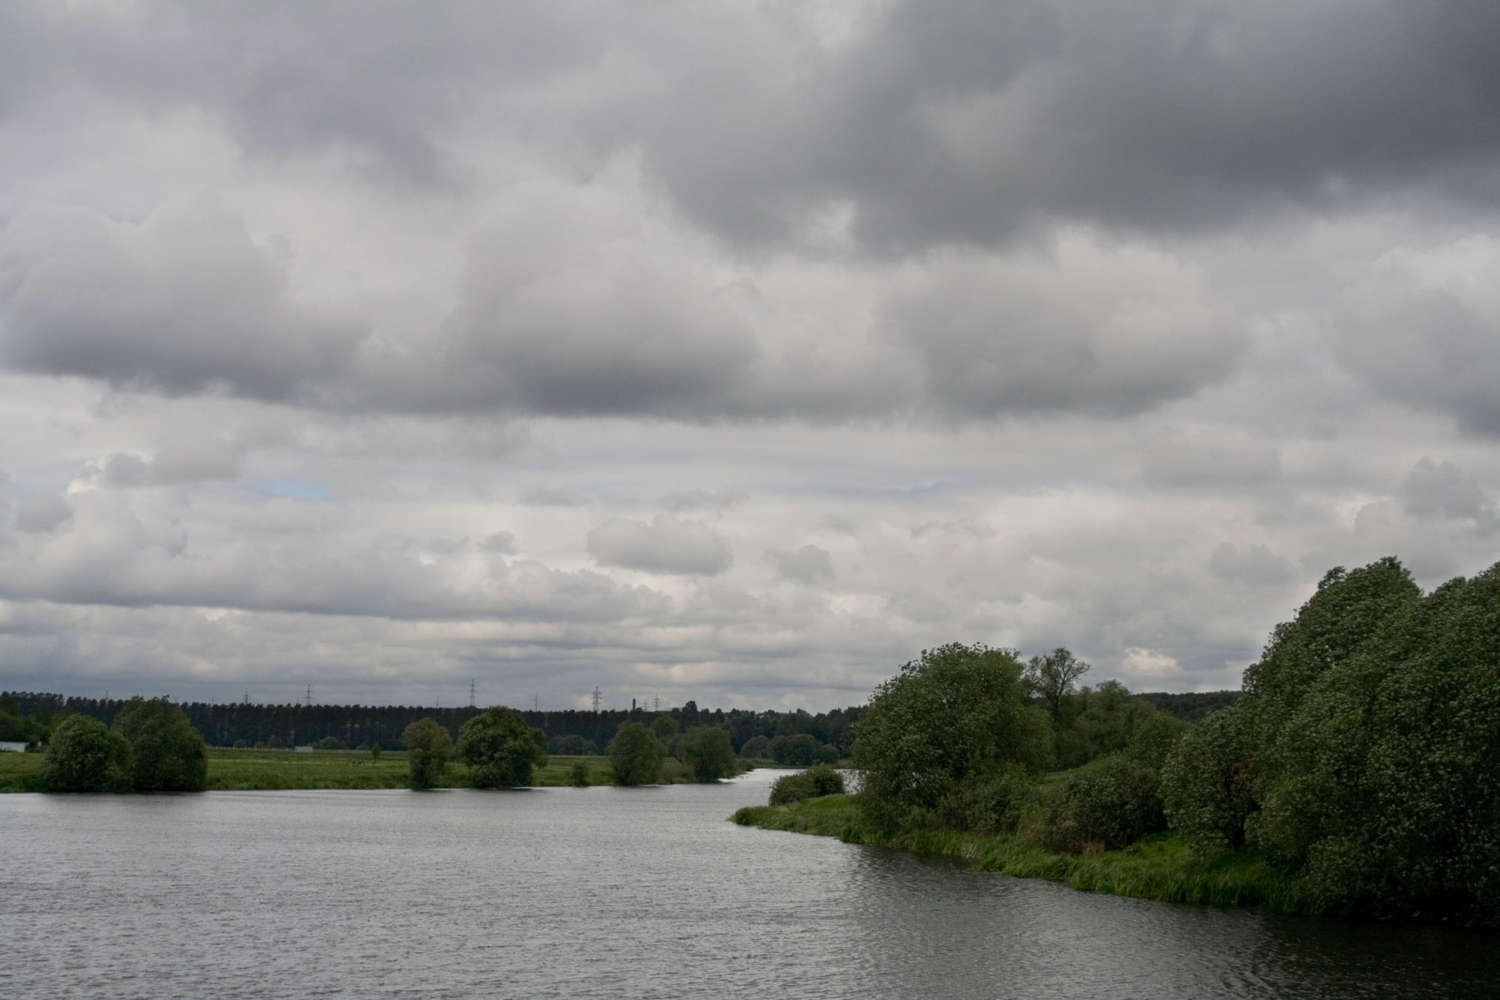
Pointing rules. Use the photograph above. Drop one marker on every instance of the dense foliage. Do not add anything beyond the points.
(636, 755)
(428, 750)
(755, 746)
(707, 753)
(994, 799)
(572, 746)
(1364, 757)
(808, 784)
(801, 750)
(500, 749)
(168, 752)
(83, 755)
(1096, 721)
(950, 717)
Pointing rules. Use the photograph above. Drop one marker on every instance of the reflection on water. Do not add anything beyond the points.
(609, 892)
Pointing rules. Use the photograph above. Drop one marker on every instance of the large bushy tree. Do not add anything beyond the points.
(500, 749)
(958, 713)
(708, 754)
(635, 755)
(1364, 756)
(794, 751)
(1051, 677)
(169, 753)
(428, 750)
(1383, 786)
(1209, 780)
(83, 755)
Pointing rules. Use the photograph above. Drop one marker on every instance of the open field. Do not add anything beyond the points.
(18, 771)
(287, 769)
(1161, 867)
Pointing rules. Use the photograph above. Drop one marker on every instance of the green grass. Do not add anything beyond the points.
(1162, 867)
(255, 770)
(279, 770)
(20, 772)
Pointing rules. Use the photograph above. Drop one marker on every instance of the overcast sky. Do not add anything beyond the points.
(729, 351)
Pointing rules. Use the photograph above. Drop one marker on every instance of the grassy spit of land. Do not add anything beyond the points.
(1162, 867)
(280, 770)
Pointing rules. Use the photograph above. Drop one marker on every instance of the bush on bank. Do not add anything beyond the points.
(810, 784)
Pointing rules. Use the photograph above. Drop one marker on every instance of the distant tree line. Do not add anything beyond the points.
(28, 716)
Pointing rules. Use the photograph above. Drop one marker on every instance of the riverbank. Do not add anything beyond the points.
(1162, 867)
(287, 770)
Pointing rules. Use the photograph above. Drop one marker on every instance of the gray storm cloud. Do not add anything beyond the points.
(937, 122)
(403, 345)
(181, 302)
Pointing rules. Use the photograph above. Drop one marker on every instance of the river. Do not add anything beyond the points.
(611, 892)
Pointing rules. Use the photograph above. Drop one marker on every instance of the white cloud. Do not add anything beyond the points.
(667, 545)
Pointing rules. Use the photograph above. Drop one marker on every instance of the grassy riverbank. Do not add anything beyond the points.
(281, 770)
(1161, 867)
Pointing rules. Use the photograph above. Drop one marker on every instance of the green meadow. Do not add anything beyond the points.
(279, 770)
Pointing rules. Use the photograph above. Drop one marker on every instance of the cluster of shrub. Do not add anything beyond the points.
(150, 747)
(1360, 760)
(502, 751)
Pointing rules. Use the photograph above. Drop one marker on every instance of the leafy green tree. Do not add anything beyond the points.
(578, 774)
(955, 711)
(1096, 721)
(755, 747)
(664, 727)
(1051, 677)
(794, 751)
(428, 750)
(84, 756)
(168, 752)
(1154, 738)
(635, 755)
(330, 743)
(1208, 780)
(575, 745)
(13, 727)
(1347, 609)
(1382, 790)
(375, 750)
(708, 754)
(500, 749)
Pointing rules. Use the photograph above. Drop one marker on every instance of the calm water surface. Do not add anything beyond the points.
(607, 892)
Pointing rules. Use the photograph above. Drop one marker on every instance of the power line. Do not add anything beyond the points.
(471, 692)
(596, 700)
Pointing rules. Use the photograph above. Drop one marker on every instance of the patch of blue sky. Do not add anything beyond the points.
(291, 488)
